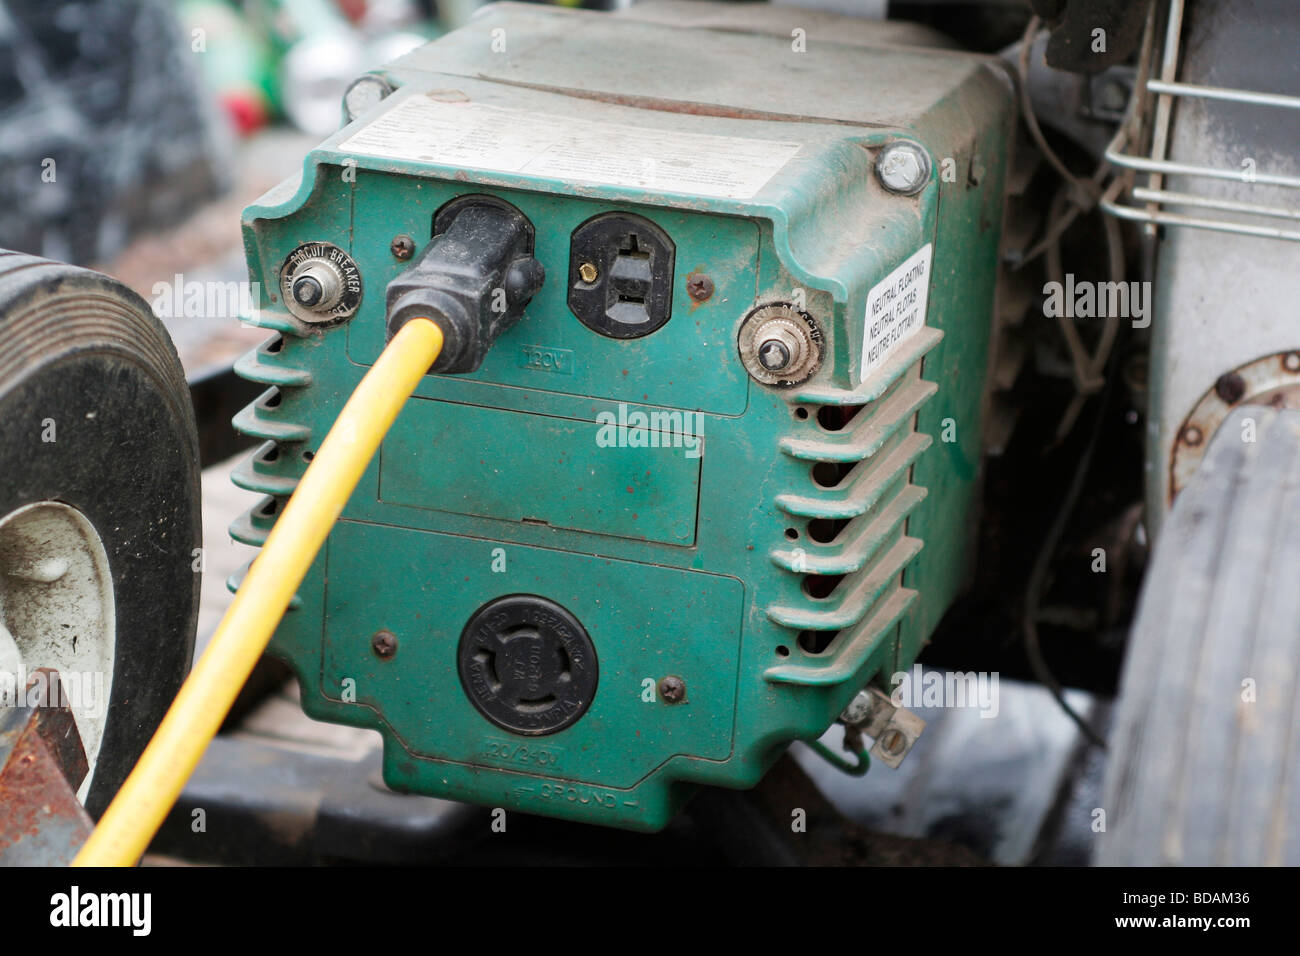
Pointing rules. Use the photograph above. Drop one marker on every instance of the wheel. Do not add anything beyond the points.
(99, 507)
(1204, 764)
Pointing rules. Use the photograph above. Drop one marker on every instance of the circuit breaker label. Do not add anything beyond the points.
(477, 136)
(895, 310)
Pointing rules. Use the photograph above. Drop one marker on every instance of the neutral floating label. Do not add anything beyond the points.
(895, 310)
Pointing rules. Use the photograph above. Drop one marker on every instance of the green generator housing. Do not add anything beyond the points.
(705, 565)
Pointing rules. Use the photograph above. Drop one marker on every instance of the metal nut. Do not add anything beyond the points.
(903, 167)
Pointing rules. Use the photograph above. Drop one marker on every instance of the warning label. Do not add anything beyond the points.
(476, 136)
(895, 310)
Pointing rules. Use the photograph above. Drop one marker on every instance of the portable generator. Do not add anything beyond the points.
(700, 457)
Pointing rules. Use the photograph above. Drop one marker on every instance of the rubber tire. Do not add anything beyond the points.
(85, 351)
(1198, 774)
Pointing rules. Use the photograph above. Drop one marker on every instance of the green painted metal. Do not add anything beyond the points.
(570, 480)
(686, 557)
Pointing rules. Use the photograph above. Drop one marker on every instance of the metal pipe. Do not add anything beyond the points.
(1222, 93)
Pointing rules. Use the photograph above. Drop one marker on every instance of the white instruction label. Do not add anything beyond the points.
(475, 136)
(895, 309)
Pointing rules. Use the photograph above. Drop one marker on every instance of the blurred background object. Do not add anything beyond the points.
(119, 118)
(104, 128)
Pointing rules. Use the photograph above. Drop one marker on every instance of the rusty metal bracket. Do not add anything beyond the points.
(42, 763)
(894, 729)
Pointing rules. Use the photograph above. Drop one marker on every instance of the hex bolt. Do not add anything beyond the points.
(903, 167)
(672, 690)
(384, 644)
(1230, 387)
(699, 286)
(774, 355)
(893, 743)
(588, 272)
(402, 247)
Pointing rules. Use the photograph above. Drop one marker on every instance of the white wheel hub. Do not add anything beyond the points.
(56, 610)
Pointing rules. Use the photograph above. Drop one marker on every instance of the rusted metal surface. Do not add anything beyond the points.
(699, 286)
(402, 247)
(42, 763)
(1272, 380)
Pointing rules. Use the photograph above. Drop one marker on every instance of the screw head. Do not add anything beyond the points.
(1193, 435)
(402, 247)
(384, 644)
(1291, 361)
(1230, 387)
(699, 286)
(903, 167)
(588, 272)
(893, 743)
(672, 689)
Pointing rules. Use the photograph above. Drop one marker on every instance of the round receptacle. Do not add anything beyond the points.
(527, 664)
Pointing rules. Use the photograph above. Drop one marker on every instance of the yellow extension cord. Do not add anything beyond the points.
(207, 695)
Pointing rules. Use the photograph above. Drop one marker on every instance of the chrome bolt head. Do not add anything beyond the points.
(903, 167)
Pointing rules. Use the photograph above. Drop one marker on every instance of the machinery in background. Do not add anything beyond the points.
(727, 374)
(1204, 753)
(717, 477)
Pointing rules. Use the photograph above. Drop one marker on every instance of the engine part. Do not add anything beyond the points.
(99, 509)
(743, 556)
(1222, 159)
(1273, 381)
(1202, 765)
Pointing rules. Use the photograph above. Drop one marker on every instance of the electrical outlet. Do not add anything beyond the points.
(621, 275)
